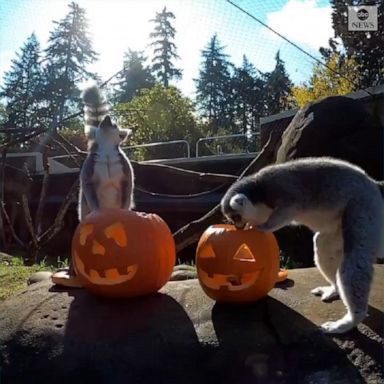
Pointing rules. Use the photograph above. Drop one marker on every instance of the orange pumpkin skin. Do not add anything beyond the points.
(121, 253)
(237, 266)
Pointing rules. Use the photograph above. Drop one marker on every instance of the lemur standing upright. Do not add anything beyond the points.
(339, 202)
(106, 177)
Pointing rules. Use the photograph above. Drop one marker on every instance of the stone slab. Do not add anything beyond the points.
(179, 335)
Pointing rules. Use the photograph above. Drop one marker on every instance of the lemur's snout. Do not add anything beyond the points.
(240, 225)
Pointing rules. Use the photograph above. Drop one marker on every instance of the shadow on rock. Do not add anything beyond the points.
(285, 284)
(366, 342)
(375, 321)
(269, 343)
(146, 340)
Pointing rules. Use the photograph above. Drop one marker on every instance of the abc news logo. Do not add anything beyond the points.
(363, 18)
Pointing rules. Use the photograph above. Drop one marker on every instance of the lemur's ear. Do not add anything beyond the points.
(238, 201)
(106, 122)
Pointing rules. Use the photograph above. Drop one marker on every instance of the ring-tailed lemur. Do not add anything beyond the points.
(106, 177)
(339, 202)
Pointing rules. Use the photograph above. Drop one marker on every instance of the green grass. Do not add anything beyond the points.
(14, 275)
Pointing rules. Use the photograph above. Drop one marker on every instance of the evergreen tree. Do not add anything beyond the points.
(248, 96)
(136, 76)
(164, 48)
(213, 87)
(68, 54)
(22, 86)
(366, 48)
(278, 88)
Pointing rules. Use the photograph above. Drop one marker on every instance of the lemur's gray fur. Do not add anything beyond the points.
(339, 202)
(106, 177)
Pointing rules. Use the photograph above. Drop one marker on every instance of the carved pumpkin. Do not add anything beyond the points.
(235, 265)
(121, 253)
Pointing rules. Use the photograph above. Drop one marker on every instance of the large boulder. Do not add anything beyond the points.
(336, 126)
(48, 335)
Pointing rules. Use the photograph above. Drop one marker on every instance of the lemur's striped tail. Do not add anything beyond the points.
(95, 107)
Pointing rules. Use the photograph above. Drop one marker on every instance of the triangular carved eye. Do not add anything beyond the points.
(85, 231)
(244, 254)
(207, 252)
(117, 232)
(97, 248)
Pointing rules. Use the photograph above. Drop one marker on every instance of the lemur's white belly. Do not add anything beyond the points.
(320, 220)
(108, 181)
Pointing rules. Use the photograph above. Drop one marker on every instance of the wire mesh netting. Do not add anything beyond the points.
(289, 32)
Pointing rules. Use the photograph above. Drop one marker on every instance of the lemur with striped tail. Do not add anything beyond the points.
(106, 177)
(340, 203)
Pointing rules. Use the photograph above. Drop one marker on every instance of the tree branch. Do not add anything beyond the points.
(28, 220)
(59, 220)
(11, 228)
(191, 232)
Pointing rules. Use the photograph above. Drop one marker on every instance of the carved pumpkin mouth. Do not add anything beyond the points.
(231, 282)
(110, 276)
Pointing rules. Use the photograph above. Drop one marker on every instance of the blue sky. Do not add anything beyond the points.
(116, 25)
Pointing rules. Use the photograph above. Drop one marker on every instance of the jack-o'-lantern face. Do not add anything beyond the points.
(121, 253)
(235, 265)
(113, 235)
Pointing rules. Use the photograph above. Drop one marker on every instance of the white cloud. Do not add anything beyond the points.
(304, 22)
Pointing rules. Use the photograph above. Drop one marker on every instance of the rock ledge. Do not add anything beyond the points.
(182, 336)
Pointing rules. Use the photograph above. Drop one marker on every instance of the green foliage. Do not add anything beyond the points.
(366, 48)
(160, 114)
(14, 276)
(135, 76)
(213, 86)
(325, 82)
(23, 86)
(68, 54)
(164, 49)
(3, 114)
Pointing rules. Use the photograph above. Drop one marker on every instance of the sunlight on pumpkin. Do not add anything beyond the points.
(85, 231)
(112, 273)
(207, 252)
(97, 248)
(116, 232)
(93, 274)
(244, 254)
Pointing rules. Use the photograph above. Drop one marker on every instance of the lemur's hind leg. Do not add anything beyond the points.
(328, 250)
(361, 226)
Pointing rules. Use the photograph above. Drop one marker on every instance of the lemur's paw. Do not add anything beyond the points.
(326, 293)
(343, 325)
